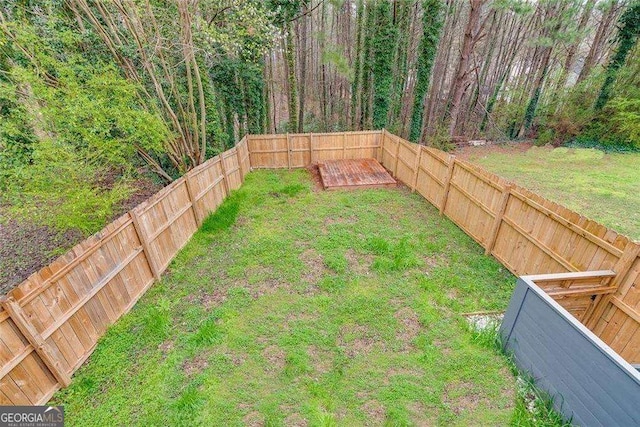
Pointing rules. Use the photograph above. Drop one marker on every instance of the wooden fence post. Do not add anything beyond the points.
(622, 267)
(447, 183)
(41, 347)
(239, 160)
(311, 156)
(192, 197)
(380, 147)
(417, 169)
(288, 152)
(144, 241)
(248, 136)
(344, 145)
(225, 177)
(506, 192)
(395, 165)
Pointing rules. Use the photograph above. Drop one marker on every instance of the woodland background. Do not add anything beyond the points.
(103, 102)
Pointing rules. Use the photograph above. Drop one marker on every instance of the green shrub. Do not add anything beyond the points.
(626, 119)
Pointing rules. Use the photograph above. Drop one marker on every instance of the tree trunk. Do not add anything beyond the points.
(303, 68)
(598, 41)
(291, 77)
(573, 48)
(460, 82)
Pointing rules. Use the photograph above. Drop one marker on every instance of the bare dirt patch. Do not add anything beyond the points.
(267, 287)
(409, 326)
(359, 263)
(314, 266)
(275, 358)
(461, 397)
(321, 360)
(196, 365)
(26, 247)
(443, 347)
(253, 419)
(209, 300)
(262, 280)
(420, 414)
(431, 262)
(375, 412)
(314, 172)
(356, 340)
(236, 358)
(166, 348)
(295, 420)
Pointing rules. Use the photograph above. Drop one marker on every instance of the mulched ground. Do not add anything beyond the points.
(26, 247)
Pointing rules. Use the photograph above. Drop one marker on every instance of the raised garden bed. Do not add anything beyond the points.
(588, 382)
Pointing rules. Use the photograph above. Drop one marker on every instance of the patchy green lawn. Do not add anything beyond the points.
(601, 186)
(300, 307)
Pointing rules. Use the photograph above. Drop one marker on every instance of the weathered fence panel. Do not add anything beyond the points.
(207, 187)
(431, 168)
(617, 321)
(268, 151)
(301, 150)
(167, 220)
(531, 235)
(52, 321)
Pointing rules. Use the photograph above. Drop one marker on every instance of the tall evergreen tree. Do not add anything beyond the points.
(628, 33)
(367, 68)
(356, 86)
(384, 46)
(431, 26)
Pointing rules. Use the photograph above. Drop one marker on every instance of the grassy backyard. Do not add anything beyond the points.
(604, 187)
(293, 306)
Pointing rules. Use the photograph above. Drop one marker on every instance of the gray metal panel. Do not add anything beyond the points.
(589, 382)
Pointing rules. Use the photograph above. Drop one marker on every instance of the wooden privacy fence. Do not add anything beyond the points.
(301, 150)
(51, 322)
(525, 232)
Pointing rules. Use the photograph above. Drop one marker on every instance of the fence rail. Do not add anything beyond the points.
(525, 232)
(531, 235)
(51, 322)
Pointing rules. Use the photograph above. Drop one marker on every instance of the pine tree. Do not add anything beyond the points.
(384, 46)
(356, 86)
(629, 24)
(431, 27)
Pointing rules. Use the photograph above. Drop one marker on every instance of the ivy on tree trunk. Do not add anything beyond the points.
(384, 46)
(431, 26)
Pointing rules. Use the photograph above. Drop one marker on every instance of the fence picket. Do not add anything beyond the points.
(447, 183)
(33, 337)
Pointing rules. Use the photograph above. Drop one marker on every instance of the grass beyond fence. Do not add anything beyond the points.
(602, 186)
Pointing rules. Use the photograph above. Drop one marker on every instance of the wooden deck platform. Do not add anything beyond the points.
(359, 173)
